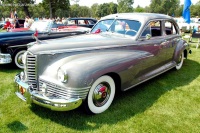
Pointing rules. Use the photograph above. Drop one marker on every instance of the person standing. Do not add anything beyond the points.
(7, 26)
(15, 14)
(16, 23)
(26, 25)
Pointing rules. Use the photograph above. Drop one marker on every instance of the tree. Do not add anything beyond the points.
(195, 10)
(164, 6)
(54, 5)
(17, 4)
(113, 7)
(139, 9)
(125, 5)
(94, 8)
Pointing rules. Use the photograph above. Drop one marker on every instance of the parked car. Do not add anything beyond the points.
(129, 49)
(185, 27)
(84, 22)
(20, 21)
(14, 44)
(2, 24)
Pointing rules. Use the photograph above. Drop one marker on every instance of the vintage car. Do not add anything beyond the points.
(20, 21)
(88, 69)
(2, 24)
(83, 22)
(14, 44)
(185, 27)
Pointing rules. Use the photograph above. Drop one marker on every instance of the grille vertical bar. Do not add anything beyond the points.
(31, 70)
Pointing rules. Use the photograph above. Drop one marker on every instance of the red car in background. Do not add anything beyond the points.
(10, 23)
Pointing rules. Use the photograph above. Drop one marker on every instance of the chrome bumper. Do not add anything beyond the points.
(26, 93)
(5, 58)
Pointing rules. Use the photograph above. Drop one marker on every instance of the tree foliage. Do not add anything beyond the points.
(62, 8)
(18, 5)
(55, 7)
(164, 6)
(125, 6)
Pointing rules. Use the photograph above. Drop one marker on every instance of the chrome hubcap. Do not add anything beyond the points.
(101, 94)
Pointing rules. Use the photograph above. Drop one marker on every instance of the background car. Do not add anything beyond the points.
(2, 24)
(14, 44)
(88, 69)
(185, 27)
(20, 21)
(84, 22)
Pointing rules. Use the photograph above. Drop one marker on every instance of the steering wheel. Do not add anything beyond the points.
(130, 30)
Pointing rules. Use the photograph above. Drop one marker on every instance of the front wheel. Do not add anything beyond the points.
(100, 95)
(180, 61)
(18, 59)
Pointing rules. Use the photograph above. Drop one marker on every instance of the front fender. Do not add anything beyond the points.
(84, 68)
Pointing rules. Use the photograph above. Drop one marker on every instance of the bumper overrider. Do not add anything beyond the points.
(26, 93)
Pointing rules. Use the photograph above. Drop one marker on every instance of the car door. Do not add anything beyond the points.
(156, 45)
(171, 35)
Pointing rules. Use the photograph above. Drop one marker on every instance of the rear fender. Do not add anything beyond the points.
(182, 46)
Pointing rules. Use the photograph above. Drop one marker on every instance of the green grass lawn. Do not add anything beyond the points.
(2, 30)
(168, 103)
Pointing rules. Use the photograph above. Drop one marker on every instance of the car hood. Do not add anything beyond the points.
(4, 35)
(80, 43)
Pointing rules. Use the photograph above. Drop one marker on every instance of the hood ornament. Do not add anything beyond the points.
(35, 36)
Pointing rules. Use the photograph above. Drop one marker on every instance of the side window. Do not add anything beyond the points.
(71, 22)
(153, 28)
(170, 28)
(81, 22)
(90, 22)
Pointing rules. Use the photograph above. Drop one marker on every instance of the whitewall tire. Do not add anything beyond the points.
(18, 59)
(180, 61)
(100, 95)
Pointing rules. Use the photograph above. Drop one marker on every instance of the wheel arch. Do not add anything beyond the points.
(181, 47)
(116, 79)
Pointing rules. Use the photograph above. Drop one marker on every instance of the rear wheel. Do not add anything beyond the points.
(180, 61)
(100, 95)
(18, 59)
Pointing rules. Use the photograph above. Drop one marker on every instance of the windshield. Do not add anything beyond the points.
(121, 26)
(42, 26)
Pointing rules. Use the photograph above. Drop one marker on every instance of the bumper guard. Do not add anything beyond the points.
(26, 93)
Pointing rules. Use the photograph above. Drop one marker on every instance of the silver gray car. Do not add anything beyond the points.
(121, 51)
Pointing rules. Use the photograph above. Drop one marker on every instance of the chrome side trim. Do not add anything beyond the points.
(18, 46)
(61, 91)
(80, 49)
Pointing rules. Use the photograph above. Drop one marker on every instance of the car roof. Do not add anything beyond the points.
(138, 16)
(85, 18)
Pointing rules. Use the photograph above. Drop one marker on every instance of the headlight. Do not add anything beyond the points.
(62, 76)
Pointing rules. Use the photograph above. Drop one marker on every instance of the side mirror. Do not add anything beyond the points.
(148, 36)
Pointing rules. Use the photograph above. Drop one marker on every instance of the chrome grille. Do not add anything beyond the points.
(31, 70)
(59, 91)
